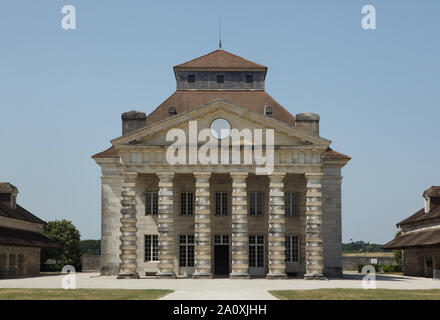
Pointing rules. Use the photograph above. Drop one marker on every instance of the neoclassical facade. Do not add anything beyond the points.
(271, 209)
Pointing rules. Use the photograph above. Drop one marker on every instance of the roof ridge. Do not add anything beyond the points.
(251, 64)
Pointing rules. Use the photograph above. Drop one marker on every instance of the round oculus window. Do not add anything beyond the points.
(220, 128)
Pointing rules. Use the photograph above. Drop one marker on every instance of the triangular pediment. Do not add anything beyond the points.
(238, 116)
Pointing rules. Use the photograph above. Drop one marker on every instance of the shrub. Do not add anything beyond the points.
(385, 267)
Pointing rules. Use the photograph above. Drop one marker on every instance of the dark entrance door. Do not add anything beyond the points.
(221, 259)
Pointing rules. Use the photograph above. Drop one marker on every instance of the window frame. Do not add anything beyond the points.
(220, 77)
(253, 203)
(186, 204)
(291, 248)
(152, 203)
(251, 77)
(151, 248)
(291, 204)
(223, 202)
(191, 78)
(257, 251)
(186, 250)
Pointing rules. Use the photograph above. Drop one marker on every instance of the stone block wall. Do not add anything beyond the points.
(110, 224)
(19, 262)
(331, 220)
(415, 261)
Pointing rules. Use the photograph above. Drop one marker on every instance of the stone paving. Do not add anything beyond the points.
(220, 289)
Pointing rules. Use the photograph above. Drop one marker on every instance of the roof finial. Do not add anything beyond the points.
(219, 33)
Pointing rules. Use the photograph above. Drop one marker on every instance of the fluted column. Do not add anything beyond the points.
(314, 256)
(240, 245)
(128, 246)
(166, 252)
(277, 241)
(202, 224)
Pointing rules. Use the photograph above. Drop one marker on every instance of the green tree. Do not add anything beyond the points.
(398, 253)
(65, 234)
(89, 247)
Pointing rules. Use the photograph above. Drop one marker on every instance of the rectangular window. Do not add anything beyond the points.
(151, 247)
(191, 78)
(249, 78)
(291, 203)
(255, 203)
(186, 251)
(221, 203)
(186, 203)
(292, 249)
(221, 239)
(256, 251)
(151, 203)
(220, 78)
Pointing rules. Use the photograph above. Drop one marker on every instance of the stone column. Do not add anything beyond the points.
(314, 256)
(166, 251)
(277, 240)
(128, 246)
(240, 237)
(202, 222)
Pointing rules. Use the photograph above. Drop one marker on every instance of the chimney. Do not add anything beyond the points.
(427, 203)
(308, 122)
(133, 120)
(8, 195)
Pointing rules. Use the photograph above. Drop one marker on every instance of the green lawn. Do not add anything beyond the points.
(357, 294)
(81, 294)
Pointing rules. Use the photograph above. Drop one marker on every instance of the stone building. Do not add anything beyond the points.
(186, 217)
(420, 237)
(20, 237)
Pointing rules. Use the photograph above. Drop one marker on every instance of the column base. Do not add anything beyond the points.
(239, 276)
(314, 276)
(276, 276)
(166, 275)
(128, 276)
(202, 275)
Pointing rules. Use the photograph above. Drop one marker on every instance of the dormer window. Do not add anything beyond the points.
(268, 111)
(191, 78)
(249, 78)
(172, 111)
(220, 78)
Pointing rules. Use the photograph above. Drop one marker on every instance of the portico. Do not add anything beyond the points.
(180, 197)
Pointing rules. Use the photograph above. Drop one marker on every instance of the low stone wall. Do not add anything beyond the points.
(91, 263)
(19, 262)
(350, 261)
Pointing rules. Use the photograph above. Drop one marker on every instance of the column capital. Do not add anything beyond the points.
(165, 174)
(238, 174)
(202, 174)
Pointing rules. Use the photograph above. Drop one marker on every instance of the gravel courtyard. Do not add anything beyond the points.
(219, 289)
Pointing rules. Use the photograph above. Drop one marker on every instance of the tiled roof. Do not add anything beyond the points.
(433, 191)
(421, 215)
(16, 237)
(220, 59)
(426, 237)
(7, 187)
(332, 154)
(19, 213)
(187, 100)
(109, 153)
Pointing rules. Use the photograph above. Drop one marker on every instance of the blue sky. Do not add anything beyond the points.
(62, 92)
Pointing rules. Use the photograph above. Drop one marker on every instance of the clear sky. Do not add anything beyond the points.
(377, 91)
